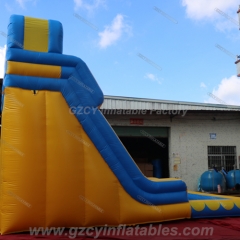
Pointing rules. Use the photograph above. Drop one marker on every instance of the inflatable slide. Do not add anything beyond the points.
(65, 168)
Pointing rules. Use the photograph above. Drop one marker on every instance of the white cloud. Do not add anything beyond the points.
(221, 12)
(22, 2)
(228, 91)
(89, 7)
(113, 33)
(201, 9)
(7, 6)
(78, 4)
(2, 60)
(152, 77)
(203, 85)
(226, 24)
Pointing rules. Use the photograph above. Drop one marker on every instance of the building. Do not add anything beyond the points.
(188, 138)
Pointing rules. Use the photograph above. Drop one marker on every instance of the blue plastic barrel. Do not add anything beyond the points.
(233, 177)
(157, 168)
(210, 180)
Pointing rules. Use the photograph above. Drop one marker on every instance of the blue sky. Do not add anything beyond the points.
(172, 50)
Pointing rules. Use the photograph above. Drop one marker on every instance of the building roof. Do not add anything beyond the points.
(128, 103)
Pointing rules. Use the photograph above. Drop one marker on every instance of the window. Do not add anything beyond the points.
(222, 156)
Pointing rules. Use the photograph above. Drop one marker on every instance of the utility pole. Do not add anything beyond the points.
(238, 57)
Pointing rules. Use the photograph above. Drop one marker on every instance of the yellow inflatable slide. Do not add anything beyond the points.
(62, 165)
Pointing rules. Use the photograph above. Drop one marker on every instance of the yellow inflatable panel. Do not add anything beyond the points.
(214, 205)
(227, 204)
(53, 175)
(36, 34)
(198, 205)
(162, 179)
(211, 195)
(31, 69)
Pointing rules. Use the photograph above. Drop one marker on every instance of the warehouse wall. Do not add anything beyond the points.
(189, 138)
